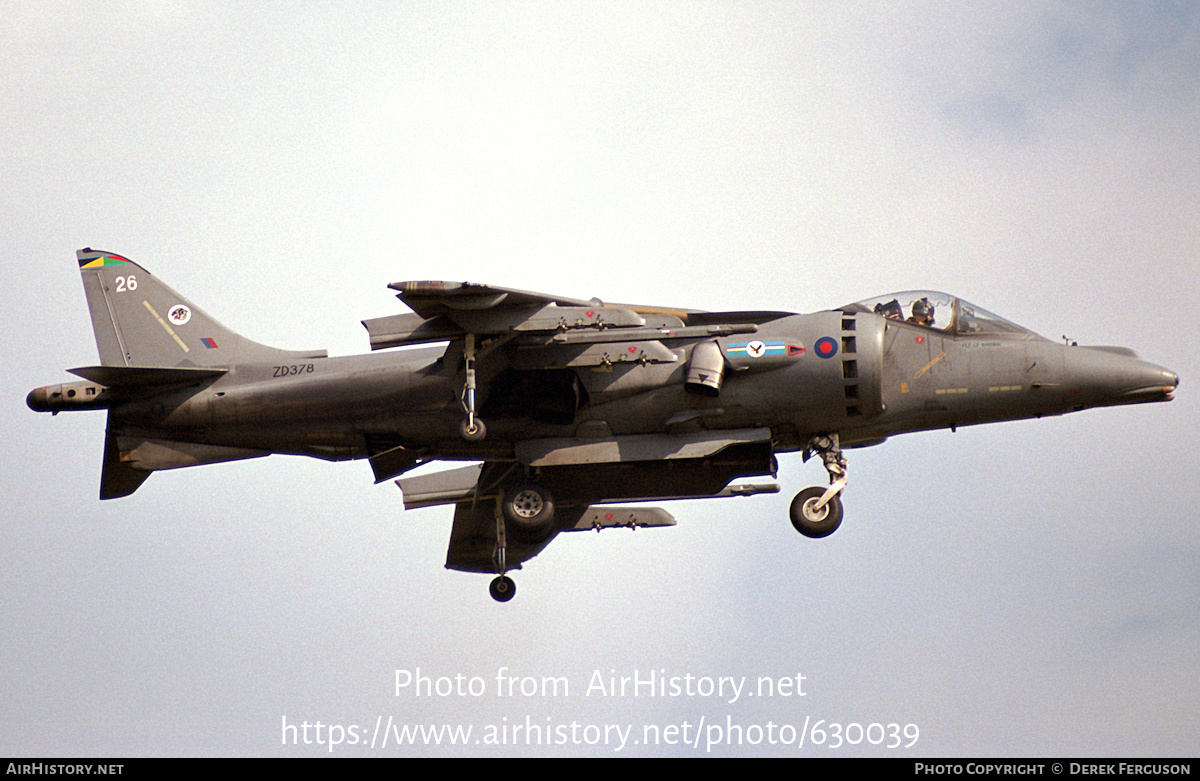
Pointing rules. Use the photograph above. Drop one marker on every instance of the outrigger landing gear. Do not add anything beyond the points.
(817, 512)
(502, 588)
(528, 509)
(471, 429)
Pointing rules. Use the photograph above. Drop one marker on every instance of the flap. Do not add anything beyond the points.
(408, 328)
(445, 487)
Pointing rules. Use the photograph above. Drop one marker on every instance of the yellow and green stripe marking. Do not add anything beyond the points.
(104, 260)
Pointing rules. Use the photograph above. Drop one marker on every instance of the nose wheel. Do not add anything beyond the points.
(817, 512)
(813, 517)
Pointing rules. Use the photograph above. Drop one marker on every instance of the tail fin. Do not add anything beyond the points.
(140, 321)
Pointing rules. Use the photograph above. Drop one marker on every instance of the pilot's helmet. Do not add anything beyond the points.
(922, 308)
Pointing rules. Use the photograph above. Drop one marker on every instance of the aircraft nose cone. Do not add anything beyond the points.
(1112, 377)
(1173, 382)
(1151, 383)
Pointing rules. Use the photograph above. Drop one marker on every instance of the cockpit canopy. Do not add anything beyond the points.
(941, 312)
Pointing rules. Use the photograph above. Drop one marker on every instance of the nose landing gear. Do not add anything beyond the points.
(502, 587)
(817, 512)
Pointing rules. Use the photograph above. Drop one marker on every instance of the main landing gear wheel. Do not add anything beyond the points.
(528, 508)
(811, 520)
(502, 588)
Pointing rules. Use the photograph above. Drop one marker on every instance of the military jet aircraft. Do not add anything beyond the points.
(564, 406)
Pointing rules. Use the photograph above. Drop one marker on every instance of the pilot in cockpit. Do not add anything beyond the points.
(922, 312)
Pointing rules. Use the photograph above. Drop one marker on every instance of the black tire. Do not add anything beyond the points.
(816, 524)
(502, 588)
(471, 433)
(528, 512)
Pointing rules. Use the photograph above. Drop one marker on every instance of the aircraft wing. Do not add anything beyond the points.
(473, 490)
(445, 311)
(587, 479)
(432, 298)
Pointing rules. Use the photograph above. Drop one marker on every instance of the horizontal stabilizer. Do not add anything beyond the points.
(135, 376)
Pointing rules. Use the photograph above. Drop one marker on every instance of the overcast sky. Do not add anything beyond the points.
(1027, 588)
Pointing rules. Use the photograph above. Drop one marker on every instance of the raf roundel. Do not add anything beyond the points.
(826, 347)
